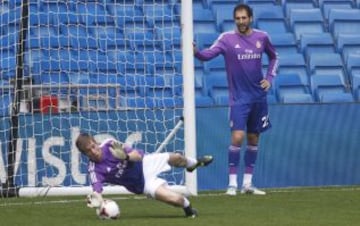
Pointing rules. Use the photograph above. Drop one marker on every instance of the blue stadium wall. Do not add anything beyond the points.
(308, 145)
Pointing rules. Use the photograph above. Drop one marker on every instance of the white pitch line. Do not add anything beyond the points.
(62, 201)
(269, 191)
(295, 189)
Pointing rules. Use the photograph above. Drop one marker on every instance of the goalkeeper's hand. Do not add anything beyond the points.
(117, 149)
(94, 200)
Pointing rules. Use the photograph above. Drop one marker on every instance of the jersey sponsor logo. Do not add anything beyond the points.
(121, 168)
(249, 56)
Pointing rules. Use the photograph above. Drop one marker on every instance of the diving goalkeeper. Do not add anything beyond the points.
(115, 163)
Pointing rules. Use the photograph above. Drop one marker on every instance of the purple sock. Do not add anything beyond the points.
(233, 159)
(250, 158)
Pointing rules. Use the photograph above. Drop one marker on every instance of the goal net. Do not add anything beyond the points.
(111, 68)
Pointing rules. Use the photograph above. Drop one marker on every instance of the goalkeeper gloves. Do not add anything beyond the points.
(117, 149)
(94, 200)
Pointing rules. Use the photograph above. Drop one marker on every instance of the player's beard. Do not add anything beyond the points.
(243, 29)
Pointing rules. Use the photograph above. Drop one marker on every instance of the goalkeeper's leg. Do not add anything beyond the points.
(163, 194)
(189, 163)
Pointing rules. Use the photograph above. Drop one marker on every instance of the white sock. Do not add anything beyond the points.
(247, 179)
(186, 202)
(233, 180)
(190, 161)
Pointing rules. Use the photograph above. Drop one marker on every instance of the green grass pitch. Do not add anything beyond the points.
(298, 206)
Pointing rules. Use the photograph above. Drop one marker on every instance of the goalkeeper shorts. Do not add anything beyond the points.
(153, 165)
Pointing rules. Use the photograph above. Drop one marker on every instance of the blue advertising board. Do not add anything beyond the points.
(308, 145)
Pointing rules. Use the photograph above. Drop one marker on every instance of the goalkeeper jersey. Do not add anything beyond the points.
(114, 171)
(243, 63)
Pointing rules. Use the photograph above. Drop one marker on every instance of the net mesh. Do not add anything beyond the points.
(111, 68)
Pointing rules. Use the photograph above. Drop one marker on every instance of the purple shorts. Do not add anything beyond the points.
(254, 117)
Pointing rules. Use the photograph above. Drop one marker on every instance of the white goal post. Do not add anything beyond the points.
(111, 68)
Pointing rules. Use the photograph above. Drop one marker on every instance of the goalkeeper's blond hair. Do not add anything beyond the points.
(81, 140)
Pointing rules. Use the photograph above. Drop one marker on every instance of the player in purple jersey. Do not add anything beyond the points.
(115, 163)
(242, 50)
